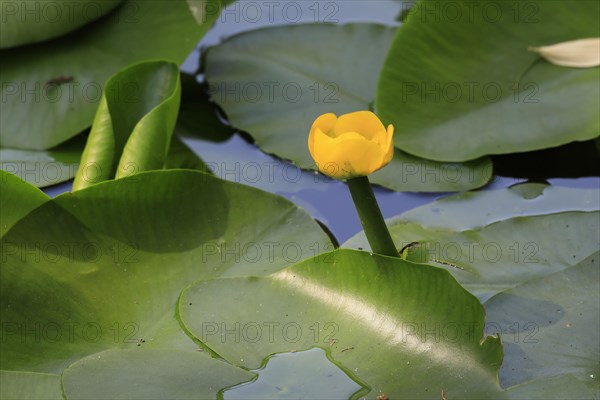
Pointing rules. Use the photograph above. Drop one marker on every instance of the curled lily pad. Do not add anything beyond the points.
(134, 123)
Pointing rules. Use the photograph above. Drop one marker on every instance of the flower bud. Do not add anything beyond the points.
(353, 145)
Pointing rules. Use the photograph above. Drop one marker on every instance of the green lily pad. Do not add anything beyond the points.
(404, 329)
(44, 168)
(39, 115)
(36, 21)
(544, 275)
(18, 385)
(103, 267)
(471, 210)
(132, 133)
(408, 173)
(505, 254)
(550, 328)
(459, 82)
(17, 199)
(150, 374)
(559, 387)
(493, 241)
(273, 83)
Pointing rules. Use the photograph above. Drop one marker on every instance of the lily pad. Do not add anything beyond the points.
(408, 173)
(549, 327)
(44, 168)
(505, 254)
(152, 374)
(132, 133)
(381, 318)
(494, 241)
(36, 21)
(548, 319)
(17, 199)
(273, 83)
(141, 239)
(29, 386)
(559, 387)
(471, 210)
(459, 82)
(476, 209)
(38, 115)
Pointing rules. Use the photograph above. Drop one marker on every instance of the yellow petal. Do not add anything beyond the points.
(347, 156)
(582, 53)
(316, 138)
(322, 143)
(363, 122)
(325, 122)
(389, 149)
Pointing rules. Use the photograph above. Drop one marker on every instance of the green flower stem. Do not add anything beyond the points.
(370, 217)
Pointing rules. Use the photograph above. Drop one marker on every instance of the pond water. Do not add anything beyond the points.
(306, 374)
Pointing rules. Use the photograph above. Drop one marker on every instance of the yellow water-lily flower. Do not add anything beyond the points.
(353, 145)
